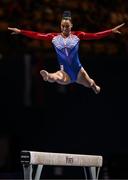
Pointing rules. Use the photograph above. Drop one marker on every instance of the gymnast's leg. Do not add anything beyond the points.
(84, 79)
(60, 77)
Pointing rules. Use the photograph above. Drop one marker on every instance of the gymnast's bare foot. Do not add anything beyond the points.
(44, 74)
(96, 89)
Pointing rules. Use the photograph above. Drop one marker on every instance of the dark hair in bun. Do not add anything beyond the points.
(67, 15)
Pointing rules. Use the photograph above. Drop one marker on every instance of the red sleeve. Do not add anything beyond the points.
(88, 36)
(36, 35)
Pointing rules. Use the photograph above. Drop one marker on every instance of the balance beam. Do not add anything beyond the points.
(29, 158)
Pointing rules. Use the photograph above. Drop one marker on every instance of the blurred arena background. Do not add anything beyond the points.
(36, 115)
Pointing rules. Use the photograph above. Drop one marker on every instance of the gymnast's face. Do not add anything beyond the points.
(66, 27)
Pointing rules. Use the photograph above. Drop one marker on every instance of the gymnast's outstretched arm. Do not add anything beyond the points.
(33, 35)
(88, 36)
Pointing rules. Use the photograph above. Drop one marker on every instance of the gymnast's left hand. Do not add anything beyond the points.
(116, 29)
(14, 30)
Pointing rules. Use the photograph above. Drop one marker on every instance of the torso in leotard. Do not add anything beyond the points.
(67, 53)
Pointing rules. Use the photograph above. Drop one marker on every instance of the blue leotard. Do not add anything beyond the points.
(67, 54)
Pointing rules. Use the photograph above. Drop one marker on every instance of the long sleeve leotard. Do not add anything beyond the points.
(67, 48)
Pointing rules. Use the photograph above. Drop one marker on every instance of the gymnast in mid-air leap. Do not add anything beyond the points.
(66, 44)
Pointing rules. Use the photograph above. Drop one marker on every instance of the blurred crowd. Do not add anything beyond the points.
(25, 57)
(45, 16)
(90, 16)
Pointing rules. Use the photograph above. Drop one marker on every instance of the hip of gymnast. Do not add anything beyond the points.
(66, 44)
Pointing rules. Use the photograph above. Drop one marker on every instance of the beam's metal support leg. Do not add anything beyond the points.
(92, 172)
(38, 172)
(85, 173)
(27, 168)
(98, 171)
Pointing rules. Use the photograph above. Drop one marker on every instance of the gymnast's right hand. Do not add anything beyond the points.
(14, 30)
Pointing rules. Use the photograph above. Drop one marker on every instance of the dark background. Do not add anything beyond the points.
(36, 115)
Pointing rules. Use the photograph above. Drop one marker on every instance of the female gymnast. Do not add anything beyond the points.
(66, 44)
